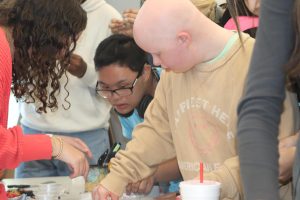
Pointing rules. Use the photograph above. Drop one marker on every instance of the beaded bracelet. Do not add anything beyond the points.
(60, 149)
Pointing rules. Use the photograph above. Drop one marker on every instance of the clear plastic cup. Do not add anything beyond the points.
(78, 185)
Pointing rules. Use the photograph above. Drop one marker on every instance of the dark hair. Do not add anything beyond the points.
(5, 8)
(120, 49)
(293, 65)
(234, 9)
(44, 34)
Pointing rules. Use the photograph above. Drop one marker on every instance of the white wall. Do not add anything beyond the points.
(121, 5)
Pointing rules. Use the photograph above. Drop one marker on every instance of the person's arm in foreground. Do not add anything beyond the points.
(259, 112)
(16, 147)
(165, 172)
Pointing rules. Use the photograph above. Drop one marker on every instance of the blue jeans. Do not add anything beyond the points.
(97, 140)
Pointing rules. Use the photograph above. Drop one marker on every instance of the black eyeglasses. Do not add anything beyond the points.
(122, 92)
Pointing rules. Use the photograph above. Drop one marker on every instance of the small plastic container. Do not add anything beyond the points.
(78, 185)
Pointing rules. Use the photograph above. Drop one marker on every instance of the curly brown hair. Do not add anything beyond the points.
(44, 34)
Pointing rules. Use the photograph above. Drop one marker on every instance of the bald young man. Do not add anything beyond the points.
(193, 113)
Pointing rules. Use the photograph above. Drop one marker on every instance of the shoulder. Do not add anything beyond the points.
(2, 35)
(5, 48)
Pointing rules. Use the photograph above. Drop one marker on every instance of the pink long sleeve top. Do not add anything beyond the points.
(14, 146)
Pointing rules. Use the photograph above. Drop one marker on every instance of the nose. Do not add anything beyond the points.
(113, 97)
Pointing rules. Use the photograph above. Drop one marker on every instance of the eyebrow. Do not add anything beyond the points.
(118, 83)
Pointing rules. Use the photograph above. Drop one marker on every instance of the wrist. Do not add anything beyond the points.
(57, 147)
(53, 145)
(155, 178)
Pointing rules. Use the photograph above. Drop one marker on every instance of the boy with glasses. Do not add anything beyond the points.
(128, 82)
(125, 79)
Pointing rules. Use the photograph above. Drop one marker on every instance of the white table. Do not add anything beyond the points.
(65, 181)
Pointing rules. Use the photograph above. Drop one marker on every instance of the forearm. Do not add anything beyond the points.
(259, 112)
(167, 171)
(151, 145)
(137, 162)
(16, 147)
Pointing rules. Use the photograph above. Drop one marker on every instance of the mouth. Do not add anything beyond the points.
(121, 107)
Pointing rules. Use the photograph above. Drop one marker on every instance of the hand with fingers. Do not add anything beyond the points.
(116, 26)
(142, 187)
(129, 16)
(72, 151)
(124, 26)
(289, 141)
(286, 162)
(77, 66)
(101, 193)
(287, 152)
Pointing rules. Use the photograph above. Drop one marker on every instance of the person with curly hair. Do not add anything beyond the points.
(37, 38)
(84, 114)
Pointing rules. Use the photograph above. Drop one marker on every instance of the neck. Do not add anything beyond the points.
(214, 39)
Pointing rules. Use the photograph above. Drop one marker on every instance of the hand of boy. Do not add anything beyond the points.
(101, 193)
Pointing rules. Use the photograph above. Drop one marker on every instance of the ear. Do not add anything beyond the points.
(147, 71)
(183, 39)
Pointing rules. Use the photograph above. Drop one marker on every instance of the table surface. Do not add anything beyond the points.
(63, 180)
